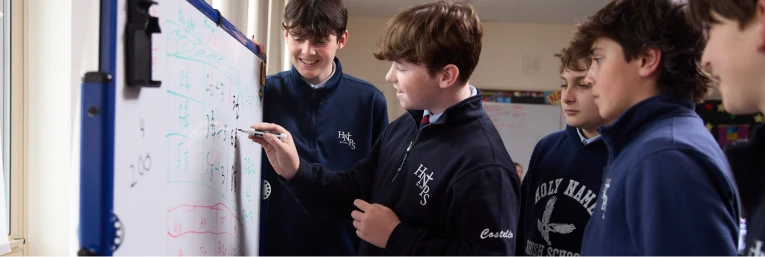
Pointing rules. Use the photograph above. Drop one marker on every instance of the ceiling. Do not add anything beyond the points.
(525, 11)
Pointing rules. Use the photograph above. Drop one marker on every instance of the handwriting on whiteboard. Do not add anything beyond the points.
(190, 230)
(143, 163)
(500, 115)
(141, 167)
(207, 100)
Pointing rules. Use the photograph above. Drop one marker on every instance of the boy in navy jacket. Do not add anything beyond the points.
(735, 54)
(667, 189)
(333, 117)
(439, 180)
(559, 190)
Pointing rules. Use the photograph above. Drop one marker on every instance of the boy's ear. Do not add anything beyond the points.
(759, 20)
(448, 76)
(342, 40)
(286, 33)
(649, 61)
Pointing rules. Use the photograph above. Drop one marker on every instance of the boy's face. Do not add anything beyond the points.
(734, 56)
(415, 88)
(612, 78)
(577, 101)
(313, 58)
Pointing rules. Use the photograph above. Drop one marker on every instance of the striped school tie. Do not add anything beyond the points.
(425, 121)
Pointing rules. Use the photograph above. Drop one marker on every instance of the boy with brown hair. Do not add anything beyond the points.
(735, 55)
(667, 189)
(439, 181)
(334, 119)
(564, 175)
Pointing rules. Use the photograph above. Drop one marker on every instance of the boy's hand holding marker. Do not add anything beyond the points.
(282, 154)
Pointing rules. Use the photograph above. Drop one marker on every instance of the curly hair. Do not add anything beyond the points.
(659, 24)
(569, 61)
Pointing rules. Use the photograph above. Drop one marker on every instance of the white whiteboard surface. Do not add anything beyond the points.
(521, 126)
(185, 183)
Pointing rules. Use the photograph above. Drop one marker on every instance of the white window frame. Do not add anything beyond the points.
(18, 125)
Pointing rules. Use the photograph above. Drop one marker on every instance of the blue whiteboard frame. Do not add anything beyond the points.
(97, 232)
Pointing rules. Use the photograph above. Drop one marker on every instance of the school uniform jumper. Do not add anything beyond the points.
(335, 126)
(667, 190)
(748, 169)
(453, 185)
(559, 192)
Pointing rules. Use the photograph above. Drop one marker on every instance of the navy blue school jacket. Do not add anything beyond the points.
(453, 185)
(558, 194)
(748, 169)
(667, 189)
(334, 126)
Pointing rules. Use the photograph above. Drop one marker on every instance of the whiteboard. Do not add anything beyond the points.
(521, 126)
(185, 182)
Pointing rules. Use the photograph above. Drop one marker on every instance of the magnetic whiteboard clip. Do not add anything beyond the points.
(138, 48)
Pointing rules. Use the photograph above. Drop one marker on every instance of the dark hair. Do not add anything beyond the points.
(700, 14)
(660, 24)
(315, 19)
(434, 34)
(569, 61)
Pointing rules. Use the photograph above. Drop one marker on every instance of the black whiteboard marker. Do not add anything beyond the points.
(260, 133)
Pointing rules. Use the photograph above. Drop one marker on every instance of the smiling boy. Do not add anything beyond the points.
(439, 181)
(735, 55)
(334, 118)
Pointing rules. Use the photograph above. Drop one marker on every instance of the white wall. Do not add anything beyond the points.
(62, 45)
(504, 45)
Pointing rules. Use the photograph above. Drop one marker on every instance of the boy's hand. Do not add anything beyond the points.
(281, 154)
(261, 48)
(374, 223)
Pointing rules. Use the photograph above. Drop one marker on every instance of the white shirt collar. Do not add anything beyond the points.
(324, 83)
(584, 140)
(435, 116)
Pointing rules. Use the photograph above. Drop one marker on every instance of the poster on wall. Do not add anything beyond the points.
(726, 128)
(521, 97)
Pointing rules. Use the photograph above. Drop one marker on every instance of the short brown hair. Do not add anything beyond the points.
(434, 34)
(660, 24)
(575, 63)
(740, 10)
(315, 19)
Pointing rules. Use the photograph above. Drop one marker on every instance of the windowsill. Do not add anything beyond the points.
(17, 248)
(16, 244)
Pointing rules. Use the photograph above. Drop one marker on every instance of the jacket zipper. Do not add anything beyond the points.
(608, 163)
(408, 149)
(314, 107)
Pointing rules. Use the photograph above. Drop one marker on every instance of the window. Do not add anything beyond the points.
(12, 122)
(5, 103)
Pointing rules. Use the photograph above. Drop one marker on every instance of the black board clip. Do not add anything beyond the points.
(218, 20)
(86, 252)
(138, 50)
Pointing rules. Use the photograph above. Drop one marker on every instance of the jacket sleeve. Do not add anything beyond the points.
(379, 117)
(482, 216)
(520, 244)
(330, 194)
(680, 203)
